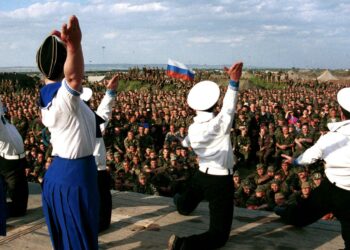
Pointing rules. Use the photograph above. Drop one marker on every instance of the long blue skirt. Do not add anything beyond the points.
(71, 203)
(3, 207)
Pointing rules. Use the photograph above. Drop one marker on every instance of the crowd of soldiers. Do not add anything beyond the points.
(143, 139)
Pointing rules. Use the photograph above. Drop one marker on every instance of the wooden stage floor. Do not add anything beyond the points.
(146, 222)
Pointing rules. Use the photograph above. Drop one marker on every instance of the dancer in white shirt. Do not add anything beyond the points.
(333, 194)
(209, 136)
(103, 113)
(70, 194)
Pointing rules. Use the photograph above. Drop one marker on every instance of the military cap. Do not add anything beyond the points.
(142, 175)
(279, 196)
(315, 116)
(260, 188)
(280, 117)
(246, 183)
(343, 98)
(203, 95)
(274, 181)
(259, 165)
(316, 176)
(236, 173)
(270, 169)
(305, 184)
(86, 94)
(300, 169)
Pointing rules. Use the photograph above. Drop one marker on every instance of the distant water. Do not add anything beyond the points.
(109, 67)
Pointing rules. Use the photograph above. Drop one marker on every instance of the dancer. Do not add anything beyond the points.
(12, 172)
(103, 113)
(333, 194)
(209, 136)
(70, 194)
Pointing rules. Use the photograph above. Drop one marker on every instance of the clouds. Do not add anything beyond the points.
(125, 8)
(262, 33)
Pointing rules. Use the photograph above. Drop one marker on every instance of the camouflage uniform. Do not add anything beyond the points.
(282, 140)
(305, 144)
(267, 144)
(242, 141)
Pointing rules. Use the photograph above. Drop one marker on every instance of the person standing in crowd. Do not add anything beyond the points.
(12, 168)
(103, 113)
(70, 193)
(333, 194)
(209, 136)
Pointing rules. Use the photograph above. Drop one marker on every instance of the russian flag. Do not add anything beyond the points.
(179, 71)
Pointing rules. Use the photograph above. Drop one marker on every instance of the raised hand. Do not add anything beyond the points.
(71, 34)
(235, 71)
(113, 83)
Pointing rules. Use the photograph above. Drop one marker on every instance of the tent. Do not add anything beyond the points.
(326, 76)
(96, 78)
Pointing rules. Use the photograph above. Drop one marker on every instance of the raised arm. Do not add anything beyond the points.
(104, 110)
(235, 71)
(225, 117)
(74, 65)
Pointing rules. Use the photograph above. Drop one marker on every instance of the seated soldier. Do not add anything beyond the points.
(243, 193)
(143, 186)
(258, 200)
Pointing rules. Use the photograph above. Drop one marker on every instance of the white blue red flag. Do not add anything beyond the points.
(179, 71)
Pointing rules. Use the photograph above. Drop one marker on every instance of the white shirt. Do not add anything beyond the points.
(72, 124)
(334, 149)
(209, 136)
(11, 142)
(104, 110)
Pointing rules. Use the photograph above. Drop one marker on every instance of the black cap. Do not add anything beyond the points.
(51, 57)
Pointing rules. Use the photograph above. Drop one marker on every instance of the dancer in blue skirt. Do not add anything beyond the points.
(70, 195)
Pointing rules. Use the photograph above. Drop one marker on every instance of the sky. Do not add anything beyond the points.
(270, 33)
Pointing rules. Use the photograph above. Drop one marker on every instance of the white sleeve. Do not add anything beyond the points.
(67, 98)
(225, 117)
(104, 110)
(186, 142)
(312, 154)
